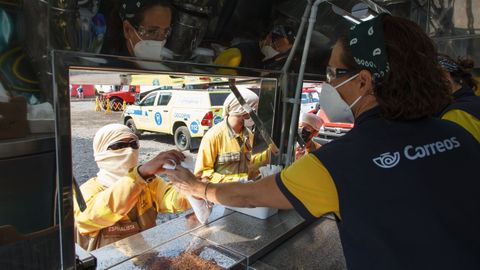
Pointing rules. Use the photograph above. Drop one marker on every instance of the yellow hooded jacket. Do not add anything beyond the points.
(127, 207)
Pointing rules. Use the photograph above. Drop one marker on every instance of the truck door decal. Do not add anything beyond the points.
(194, 127)
(158, 118)
(134, 112)
(217, 119)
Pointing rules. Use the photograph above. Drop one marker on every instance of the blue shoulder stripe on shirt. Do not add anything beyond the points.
(297, 204)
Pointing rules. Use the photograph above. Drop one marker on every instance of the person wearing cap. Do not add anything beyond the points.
(225, 153)
(402, 183)
(138, 28)
(308, 128)
(268, 53)
(465, 108)
(125, 197)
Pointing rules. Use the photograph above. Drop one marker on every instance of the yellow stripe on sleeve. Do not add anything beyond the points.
(309, 187)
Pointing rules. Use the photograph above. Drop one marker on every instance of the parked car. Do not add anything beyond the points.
(128, 93)
(330, 130)
(185, 114)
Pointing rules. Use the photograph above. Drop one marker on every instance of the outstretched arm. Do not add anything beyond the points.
(264, 192)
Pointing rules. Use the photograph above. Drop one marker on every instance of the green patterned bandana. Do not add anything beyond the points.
(368, 47)
(128, 8)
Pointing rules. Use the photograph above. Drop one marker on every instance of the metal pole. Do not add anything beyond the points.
(285, 68)
(299, 34)
(298, 91)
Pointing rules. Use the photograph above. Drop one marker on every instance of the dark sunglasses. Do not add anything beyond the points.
(120, 145)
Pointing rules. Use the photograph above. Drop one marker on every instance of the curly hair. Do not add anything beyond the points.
(414, 87)
(462, 74)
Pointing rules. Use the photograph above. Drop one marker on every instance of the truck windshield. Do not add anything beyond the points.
(217, 99)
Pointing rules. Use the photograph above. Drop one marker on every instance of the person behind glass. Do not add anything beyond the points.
(138, 28)
(400, 179)
(125, 197)
(308, 128)
(80, 92)
(225, 153)
(268, 53)
(465, 108)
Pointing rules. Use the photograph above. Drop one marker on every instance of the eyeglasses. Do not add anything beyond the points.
(333, 73)
(120, 145)
(152, 32)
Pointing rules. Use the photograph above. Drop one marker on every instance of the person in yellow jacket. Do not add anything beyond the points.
(225, 153)
(124, 198)
(465, 108)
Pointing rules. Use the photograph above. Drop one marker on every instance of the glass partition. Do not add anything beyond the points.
(167, 110)
(171, 105)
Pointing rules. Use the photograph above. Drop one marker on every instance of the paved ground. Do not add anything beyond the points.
(86, 121)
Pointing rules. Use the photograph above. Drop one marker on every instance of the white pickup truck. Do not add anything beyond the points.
(186, 114)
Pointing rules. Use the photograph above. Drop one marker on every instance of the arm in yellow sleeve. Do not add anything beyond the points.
(167, 198)
(106, 206)
(466, 120)
(260, 159)
(309, 187)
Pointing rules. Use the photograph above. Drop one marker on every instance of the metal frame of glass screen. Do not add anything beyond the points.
(62, 62)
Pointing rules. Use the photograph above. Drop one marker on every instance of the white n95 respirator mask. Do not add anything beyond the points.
(334, 106)
(151, 49)
(269, 52)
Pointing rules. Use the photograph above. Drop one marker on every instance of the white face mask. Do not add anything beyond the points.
(151, 49)
(334, 106)
(269, 51)
(114, 164)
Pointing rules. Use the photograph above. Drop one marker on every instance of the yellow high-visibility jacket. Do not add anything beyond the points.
(224, 156)
(127, 207)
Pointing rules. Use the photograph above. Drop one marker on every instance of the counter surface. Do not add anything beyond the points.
(135, 245)
(316, 247)
(234, 240)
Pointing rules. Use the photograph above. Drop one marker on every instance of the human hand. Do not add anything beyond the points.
(273, 149)
(155, 165)
(186, 182)
(299, 152)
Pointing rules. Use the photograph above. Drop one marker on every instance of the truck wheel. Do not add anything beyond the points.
(116, 104)
(131, 125)
(182, 137)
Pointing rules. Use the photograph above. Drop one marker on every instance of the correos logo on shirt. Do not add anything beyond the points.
(410, 152)
(387, 160)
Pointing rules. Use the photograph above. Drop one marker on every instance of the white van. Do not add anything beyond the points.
(186, 114)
